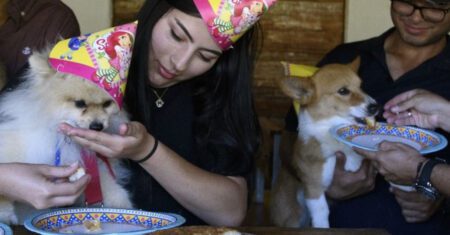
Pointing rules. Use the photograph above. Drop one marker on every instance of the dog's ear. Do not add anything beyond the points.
(300, 89)
(39, 65)
(354, 65)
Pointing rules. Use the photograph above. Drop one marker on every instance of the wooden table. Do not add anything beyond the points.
(20, 230)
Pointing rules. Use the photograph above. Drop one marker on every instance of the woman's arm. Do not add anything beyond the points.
(216, 199)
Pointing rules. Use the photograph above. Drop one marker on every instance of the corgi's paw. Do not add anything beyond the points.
(321, 223)
(352, 163)
(8, 217)
(7, 214)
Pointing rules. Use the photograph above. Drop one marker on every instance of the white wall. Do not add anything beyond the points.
(93, 15)
(366, 18)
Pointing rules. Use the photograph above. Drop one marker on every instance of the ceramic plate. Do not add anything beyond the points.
(5, 229)
(112, 221)
(425, 141)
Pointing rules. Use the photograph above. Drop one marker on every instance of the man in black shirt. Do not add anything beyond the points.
(413, 54)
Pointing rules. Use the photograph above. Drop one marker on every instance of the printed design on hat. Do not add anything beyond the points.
(228, 20)
(103, 58)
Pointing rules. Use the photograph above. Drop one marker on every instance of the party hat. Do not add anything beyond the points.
(228, 20)
(103, 58)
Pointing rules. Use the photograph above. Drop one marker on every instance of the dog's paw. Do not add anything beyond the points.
(320, 224)
(352, 163)
(8, 218)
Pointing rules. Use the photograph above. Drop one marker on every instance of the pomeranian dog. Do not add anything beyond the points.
(29, 119)
(332, 96)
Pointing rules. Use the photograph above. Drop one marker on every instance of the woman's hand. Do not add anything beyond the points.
(397, 162)
(418, 107)
(42, 186)
(348, 184)
(133, 142)
(415, 206)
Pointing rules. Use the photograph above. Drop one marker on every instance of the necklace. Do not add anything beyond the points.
(159, 102)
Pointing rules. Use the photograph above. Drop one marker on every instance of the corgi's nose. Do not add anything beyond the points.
(372, 109)
(96, 126)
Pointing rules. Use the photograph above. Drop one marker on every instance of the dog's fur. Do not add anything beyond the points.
(332, 96)
(29, 119)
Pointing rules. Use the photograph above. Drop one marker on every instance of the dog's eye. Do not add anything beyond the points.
(107, 104)
(80, 104)
(344, 91)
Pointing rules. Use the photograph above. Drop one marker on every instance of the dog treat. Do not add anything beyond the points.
(371, 123)
(92, 225)
(78, 174)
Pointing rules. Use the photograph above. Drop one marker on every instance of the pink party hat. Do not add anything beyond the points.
(228, 20)
(103, 58)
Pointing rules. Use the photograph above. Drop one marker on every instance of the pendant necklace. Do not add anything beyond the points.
(159, 102)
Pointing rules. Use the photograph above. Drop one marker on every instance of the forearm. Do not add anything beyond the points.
(440, 178)
(3, 179)
(444, 117)
(217, 199)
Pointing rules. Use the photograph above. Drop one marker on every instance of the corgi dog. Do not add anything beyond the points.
(332, 96)
(29, 119)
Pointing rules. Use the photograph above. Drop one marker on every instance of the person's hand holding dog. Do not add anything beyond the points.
(49, 185)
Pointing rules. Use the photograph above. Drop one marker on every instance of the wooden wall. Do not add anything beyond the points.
(297, 31)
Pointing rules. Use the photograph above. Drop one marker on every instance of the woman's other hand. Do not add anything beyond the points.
(41, 186)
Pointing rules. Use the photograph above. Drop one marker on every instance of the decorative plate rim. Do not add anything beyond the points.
(442, 140)
(6, 229)
(28, 223)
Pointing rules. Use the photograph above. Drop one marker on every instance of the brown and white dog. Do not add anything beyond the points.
(332, 96)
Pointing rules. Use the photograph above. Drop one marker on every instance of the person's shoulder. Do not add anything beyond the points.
(346, 52)
(56, 7)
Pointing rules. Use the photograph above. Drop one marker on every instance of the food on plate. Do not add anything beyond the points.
(77, 175)
(92, 225)
(371, 123)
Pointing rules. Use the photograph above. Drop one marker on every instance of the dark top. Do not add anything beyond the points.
(33, 24)
(173, 125)
(379, 209)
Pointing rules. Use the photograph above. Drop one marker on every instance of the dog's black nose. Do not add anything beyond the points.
(372, 109)
(96, 126)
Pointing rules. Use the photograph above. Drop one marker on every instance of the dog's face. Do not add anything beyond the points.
(69, 98)
(333, 91)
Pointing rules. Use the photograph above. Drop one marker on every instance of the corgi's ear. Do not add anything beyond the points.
(300, 89)
(354, 65)
(39, 65)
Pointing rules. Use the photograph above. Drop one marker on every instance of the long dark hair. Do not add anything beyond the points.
(225, 120)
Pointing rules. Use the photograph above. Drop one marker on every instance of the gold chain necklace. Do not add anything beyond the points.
(159, 102)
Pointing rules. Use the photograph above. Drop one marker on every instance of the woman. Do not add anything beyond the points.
(194, 130)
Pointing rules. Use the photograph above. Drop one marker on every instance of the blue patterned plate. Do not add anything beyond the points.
(425, 141)
(112, 221)
(5, 229)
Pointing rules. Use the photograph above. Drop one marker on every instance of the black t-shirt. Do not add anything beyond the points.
(172, 125)
(379, 209)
